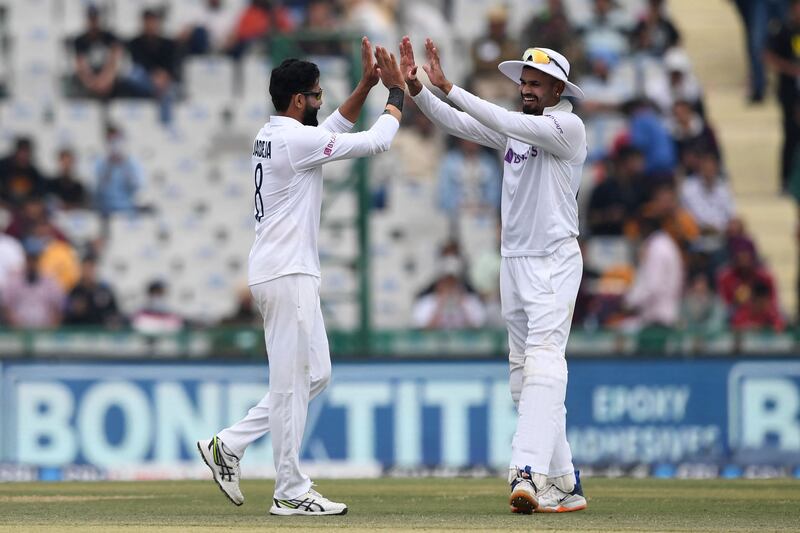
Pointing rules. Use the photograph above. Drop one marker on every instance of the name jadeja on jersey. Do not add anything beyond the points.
(262, 149)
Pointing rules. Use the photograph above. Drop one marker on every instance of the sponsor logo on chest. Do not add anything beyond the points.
(514, 158)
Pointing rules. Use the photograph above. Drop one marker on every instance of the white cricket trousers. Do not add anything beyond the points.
(538, 297)
(299, 369)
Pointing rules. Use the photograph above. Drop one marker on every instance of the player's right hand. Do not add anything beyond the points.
(434, 68)
(409, 67)
(388, 69)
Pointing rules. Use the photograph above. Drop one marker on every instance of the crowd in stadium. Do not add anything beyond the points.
(663, 245)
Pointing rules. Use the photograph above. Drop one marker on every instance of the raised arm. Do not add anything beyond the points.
(451, 121)
(347, 114)
(315, 146)
(561, 135)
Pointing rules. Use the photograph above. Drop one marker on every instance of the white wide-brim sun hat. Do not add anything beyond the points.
(548, 61)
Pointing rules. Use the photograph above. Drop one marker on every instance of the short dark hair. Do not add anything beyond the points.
(23, 143)
(293, 76)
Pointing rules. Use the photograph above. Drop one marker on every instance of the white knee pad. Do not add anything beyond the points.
(545, 364)
(516, 363)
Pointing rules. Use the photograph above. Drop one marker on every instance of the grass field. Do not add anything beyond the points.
(402, 505)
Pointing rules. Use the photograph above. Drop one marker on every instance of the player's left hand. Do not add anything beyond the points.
(434, 68)
(369, 69)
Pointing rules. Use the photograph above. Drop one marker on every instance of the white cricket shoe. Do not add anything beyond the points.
(523, 497)
(225, 467)
(554, 499)
(312, 503)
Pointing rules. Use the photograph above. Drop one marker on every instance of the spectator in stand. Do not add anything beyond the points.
(757, 18)
(551, 28)
(655, 297)
(489, 50)
(206, 28)
(648, 134)
(708, 198)
(98, 56)
(19, 177)
(449, 303)
(156, 317)
(374, 18)
(65, 188)
(662, 33)
(676, 221)
(748, 289)
(91, 302)
(618, 198)
(484, 276)
(702, 310)
(736, 236)
(156, 64)
(760, 312)
(119, 177)
(496, 45)
(682, 83)
(692, 135)
(57, 257)
(258, 20)
(415, 156)
(607, 28)
(12, 259)
(605, 90)
(469, 180)
(783, 55)
(32, 299)
(32, 212)
(246, 313)
(321, 19)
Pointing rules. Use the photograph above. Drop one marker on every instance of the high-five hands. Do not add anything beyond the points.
(434, 68)
(369, 69)
(388, 69)
(409, 67)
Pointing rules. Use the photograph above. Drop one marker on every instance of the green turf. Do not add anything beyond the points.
(403, 504)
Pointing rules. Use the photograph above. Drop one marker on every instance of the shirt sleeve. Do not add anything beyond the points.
(457, 123)
(336, 123)
(561, 134)
(312, 147)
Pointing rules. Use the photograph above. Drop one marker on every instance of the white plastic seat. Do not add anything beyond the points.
(80, 225)
(209, 78)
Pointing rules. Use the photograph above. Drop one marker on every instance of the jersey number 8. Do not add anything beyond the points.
(259, 179)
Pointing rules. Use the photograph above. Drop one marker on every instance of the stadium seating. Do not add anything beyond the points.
(198, 178)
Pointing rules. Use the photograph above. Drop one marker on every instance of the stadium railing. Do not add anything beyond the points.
(248, 343)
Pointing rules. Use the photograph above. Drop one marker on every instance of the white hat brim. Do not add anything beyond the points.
(513, 70)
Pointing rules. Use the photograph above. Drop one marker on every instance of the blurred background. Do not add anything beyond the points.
(127, 330)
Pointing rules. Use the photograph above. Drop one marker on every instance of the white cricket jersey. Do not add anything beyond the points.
(543, 162)
(287, 172)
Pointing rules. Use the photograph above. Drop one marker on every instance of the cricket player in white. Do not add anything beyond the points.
(284, 271)
(544, 150)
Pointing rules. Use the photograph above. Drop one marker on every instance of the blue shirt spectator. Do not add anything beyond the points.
(468, 179)
(650, 136)
(119, 177)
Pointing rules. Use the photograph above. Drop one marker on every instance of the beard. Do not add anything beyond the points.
(310, 116)
(530, 109)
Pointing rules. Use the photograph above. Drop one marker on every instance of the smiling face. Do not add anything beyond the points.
(538, 90)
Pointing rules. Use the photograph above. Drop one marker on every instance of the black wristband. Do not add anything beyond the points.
(396, 97)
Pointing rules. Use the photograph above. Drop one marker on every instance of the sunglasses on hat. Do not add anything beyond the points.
(540, 57)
